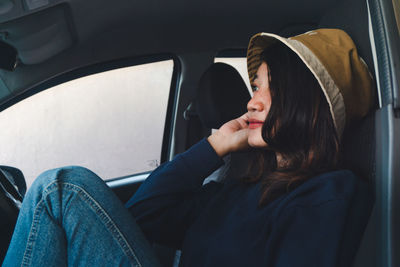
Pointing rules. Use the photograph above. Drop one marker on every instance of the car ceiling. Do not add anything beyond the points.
(65, 35)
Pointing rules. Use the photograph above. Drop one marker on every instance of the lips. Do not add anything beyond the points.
(253, 124)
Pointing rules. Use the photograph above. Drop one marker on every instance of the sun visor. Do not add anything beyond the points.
(42, 35)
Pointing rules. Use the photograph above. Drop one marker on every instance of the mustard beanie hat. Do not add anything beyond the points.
(331, 56)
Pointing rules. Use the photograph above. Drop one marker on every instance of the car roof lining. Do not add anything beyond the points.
(94, 31)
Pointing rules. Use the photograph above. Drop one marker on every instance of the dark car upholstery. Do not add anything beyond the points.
(221, 96)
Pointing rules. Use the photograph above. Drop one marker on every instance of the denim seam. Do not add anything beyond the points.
(85, 196)
(26, 260)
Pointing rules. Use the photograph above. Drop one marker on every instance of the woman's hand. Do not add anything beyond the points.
(231, 137)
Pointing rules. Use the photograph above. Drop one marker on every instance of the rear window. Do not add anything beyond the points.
(110, 122)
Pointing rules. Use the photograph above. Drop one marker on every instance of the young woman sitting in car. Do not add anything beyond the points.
(295, 208)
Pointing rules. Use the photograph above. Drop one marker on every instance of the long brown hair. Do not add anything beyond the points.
(299, 128)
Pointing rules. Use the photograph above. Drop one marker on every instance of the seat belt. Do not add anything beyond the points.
(12, 191)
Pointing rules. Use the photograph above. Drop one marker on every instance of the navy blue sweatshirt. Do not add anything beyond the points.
(320, 223)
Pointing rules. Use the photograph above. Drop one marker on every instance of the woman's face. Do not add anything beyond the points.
(258, 107)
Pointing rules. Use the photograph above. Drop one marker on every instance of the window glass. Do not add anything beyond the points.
(240, 64)
(110, 122)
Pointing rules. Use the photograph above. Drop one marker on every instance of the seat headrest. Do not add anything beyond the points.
(222, 95)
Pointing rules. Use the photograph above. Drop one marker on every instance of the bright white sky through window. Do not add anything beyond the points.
(111, 122)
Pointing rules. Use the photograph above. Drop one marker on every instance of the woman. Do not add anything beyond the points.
(294, 208)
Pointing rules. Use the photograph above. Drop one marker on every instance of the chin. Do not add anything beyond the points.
(255, 139)
(257, 142)
(258, 145)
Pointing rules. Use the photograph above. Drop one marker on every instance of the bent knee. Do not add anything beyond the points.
(63, 180)
(76, 175)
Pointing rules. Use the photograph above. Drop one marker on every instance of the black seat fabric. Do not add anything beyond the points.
(222, 95)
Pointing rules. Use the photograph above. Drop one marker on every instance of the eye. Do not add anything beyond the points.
(254, 88)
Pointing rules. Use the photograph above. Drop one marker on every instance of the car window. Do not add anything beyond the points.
(240, 64)
(110, 122)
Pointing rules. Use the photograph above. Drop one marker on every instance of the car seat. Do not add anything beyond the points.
(359, 140)
(222, 95)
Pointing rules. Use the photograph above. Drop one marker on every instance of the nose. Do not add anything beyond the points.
(255, 103)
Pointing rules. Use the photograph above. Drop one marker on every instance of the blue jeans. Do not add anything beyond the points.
(70, 217)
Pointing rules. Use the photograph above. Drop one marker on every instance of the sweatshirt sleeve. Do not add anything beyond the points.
(170, 199)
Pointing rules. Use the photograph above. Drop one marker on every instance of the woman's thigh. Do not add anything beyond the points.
(71, 217)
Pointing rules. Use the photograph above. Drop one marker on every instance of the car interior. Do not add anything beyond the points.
(48, 42)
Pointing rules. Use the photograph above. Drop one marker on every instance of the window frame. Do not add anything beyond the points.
(385, 43)
(113, 65)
